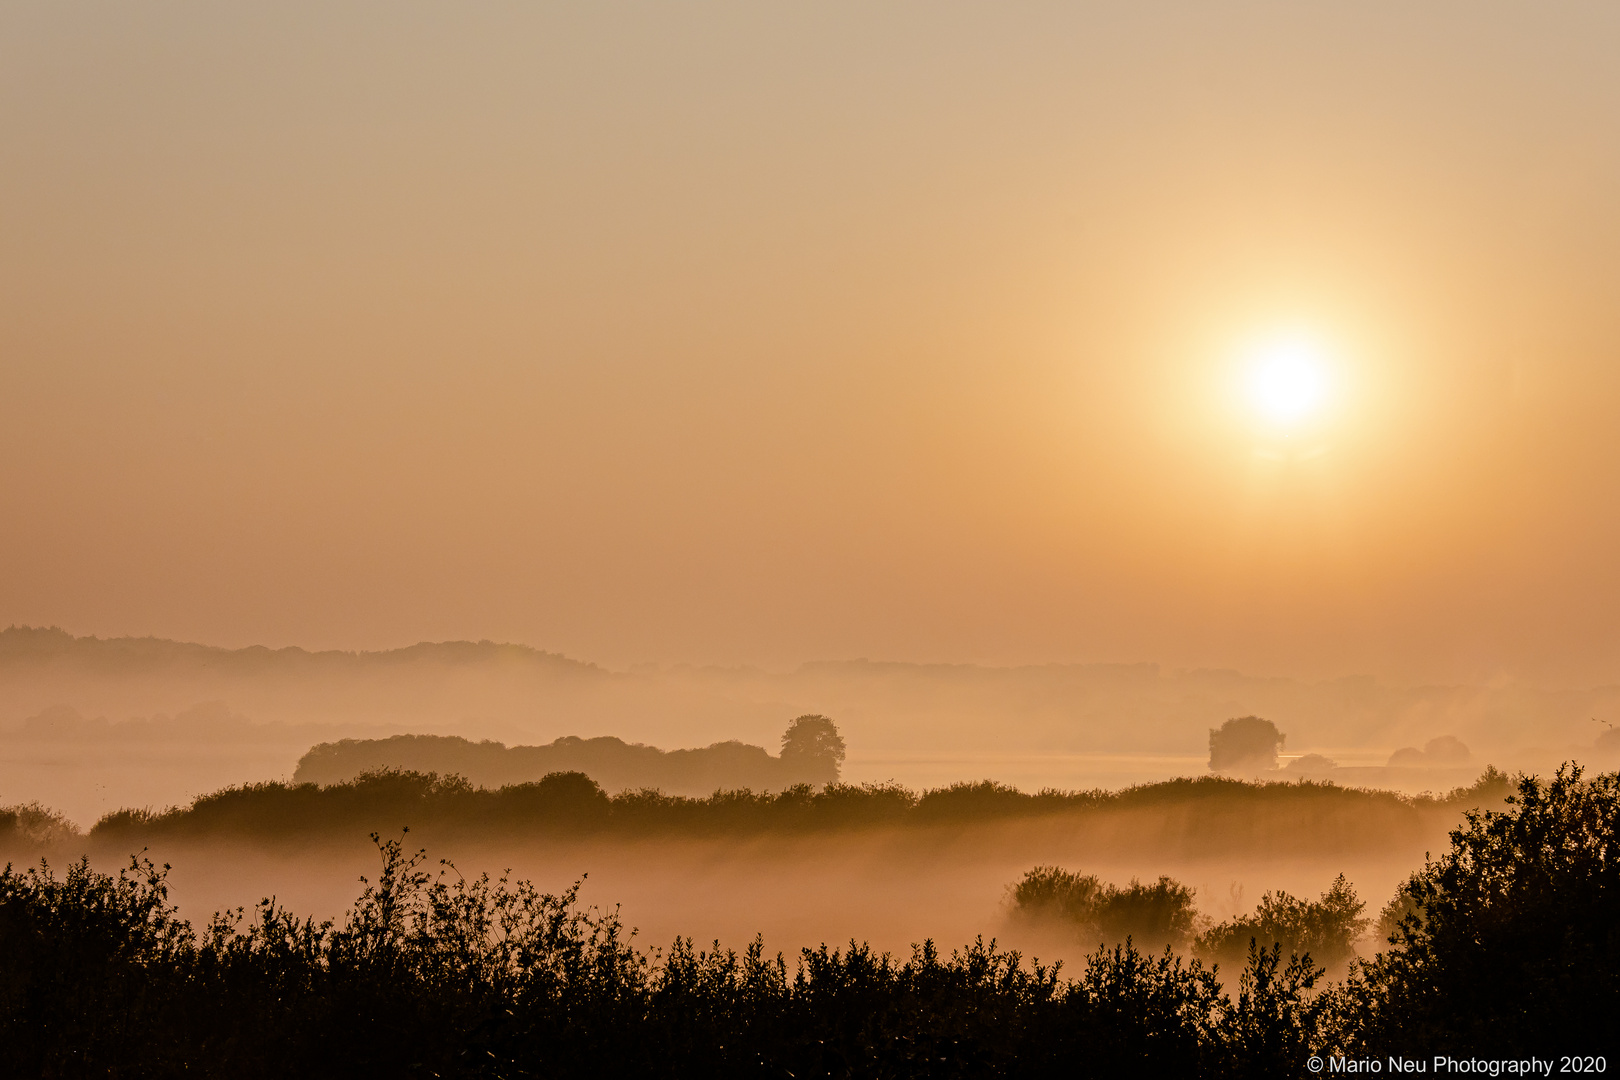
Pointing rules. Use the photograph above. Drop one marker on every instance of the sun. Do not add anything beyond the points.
(1287, 380)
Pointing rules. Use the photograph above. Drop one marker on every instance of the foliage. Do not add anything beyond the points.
(1276, 1022)
(1510, 941)
(31, 827)
(1510, 947)
(1244, 744)
(1204, 811)
(1160, 914)
(815, 737)
(80, 958)
(1322, 930)
(1492, 788)
(432, 974)
(812, 752)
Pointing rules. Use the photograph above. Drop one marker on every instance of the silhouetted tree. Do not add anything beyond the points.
(813, 749)
(1509, 942)
(1244, 744)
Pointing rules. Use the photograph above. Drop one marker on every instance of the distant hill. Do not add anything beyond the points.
(503, 689)
(33, 647)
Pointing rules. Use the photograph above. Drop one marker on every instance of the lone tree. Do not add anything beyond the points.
(1244, 744)
(812, 749)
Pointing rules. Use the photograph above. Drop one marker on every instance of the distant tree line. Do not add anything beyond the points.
(573, 805)
(1506, 945)
(812, 753)
(1251, 745)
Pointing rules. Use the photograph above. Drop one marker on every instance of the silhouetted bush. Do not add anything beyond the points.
(434, 975)
(973, 801)
(431, 974)
(1152, 916)
(31, 827)
(80, 958)
(1510, 941)
(1324, 930)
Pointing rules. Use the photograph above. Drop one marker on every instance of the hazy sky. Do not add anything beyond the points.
(756, 332)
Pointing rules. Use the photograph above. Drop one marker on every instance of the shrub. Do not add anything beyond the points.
(973, 801)
(1323, 931)
(1509, 942)
(31, 827)
(1154, 916)
(77, 958)
(431, 974)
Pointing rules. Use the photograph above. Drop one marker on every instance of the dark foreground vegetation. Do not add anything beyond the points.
(1507, 944)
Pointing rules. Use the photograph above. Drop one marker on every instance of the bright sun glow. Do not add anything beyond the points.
(1287, 380)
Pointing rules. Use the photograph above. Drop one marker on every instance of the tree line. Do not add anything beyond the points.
(573, 805)
(812, 752)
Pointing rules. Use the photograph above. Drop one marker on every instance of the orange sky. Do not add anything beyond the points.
(758, 333)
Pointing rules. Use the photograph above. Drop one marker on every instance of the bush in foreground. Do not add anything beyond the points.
(1510, 941)
(433, 974)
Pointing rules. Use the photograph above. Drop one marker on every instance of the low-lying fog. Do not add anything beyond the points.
(88, 726)
(892, 888)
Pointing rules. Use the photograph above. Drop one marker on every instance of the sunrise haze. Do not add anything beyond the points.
(754, 334)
